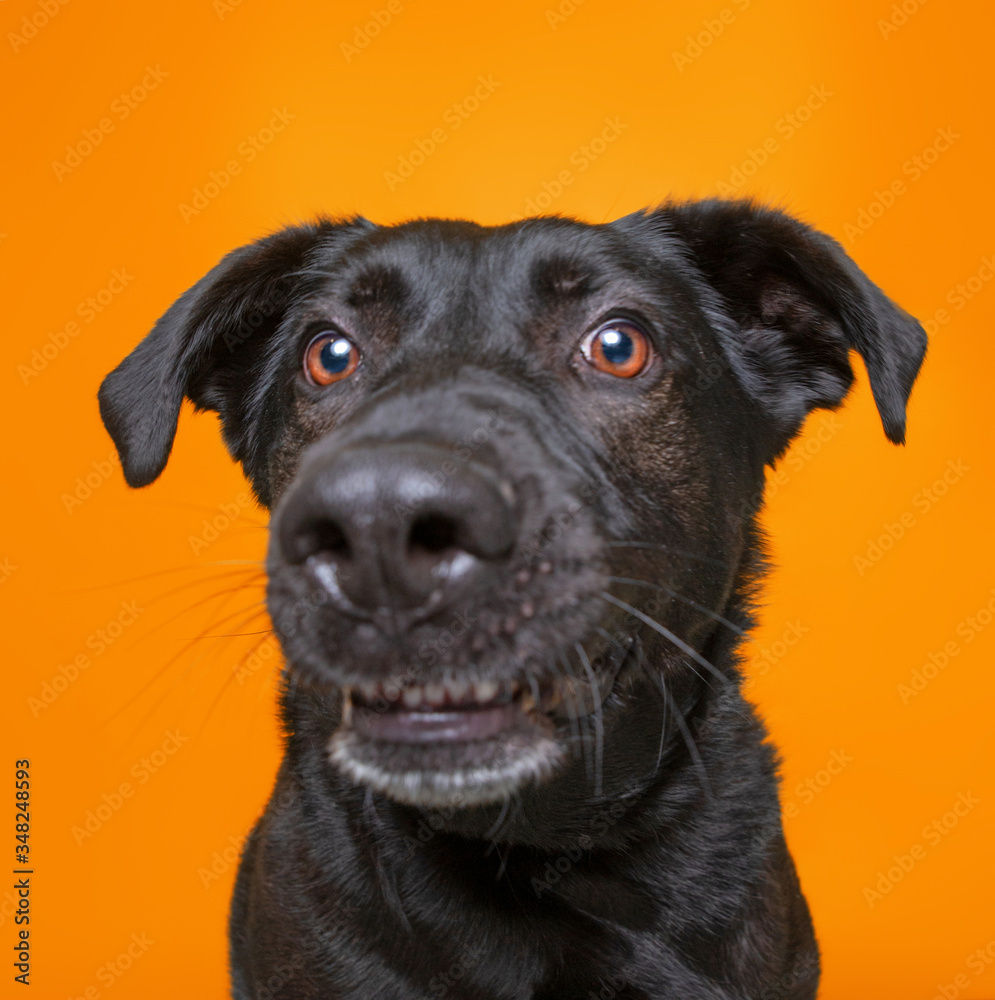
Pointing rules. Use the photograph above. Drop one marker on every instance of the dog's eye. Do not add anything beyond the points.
(330, 357)
(617, 348)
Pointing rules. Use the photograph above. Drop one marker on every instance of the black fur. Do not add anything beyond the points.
(657, 868)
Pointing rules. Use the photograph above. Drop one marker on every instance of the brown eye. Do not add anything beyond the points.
(330, 357)
(617, 348)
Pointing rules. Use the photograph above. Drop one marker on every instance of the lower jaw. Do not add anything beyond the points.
(457, 774)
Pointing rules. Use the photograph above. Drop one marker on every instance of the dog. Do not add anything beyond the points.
(514, 475)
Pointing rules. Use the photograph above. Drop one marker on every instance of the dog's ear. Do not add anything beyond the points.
(201, 344)
(799, 304)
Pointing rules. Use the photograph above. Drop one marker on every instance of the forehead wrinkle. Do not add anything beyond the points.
(521, 281)
(377, 286)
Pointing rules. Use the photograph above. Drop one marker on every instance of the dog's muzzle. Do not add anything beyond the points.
(395, 535)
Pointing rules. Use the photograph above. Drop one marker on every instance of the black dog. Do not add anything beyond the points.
(514, 475)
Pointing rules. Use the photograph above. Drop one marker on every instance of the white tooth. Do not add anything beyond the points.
(484, 691)
(369, 692)
(412, 697)
(435, 694)
(457, 691)
(391, 690)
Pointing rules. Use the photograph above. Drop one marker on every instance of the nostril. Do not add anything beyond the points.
(433, 534)
(324, 536)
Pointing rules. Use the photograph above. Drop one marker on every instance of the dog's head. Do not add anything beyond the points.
(513, 471)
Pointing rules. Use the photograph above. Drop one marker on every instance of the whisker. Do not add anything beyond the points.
(160, 701)
(663, 725)
(692, 750)
(680, 597)
(254, 648)
(504, 862)
(225, 686)
(163, 572)
(234, 635)
(141, 723)
(533, 687)
(572, 715)
(294, 681)
(243, 515)
(611, 639)
(228, 589)
(384, 868)
(584, 719)
(661, 547)
(492, 832)
(599, 727)
(667, 634)
(186, 673)
(256, 608)
(162, 670)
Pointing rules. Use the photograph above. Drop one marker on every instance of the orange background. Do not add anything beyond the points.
(859, 635)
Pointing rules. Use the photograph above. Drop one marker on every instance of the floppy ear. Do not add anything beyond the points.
(800, 305)
(207, 339)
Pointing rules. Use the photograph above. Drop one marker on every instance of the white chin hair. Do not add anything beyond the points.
(472, 785)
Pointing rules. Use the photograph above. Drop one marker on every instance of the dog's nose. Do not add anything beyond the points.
(393, 526)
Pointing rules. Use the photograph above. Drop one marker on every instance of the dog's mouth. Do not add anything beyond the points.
(453, 743)
(437, 713)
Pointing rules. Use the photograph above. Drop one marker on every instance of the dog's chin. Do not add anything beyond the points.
(458, 746)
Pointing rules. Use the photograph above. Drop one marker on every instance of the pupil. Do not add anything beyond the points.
(335, 355)
(617, 346)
